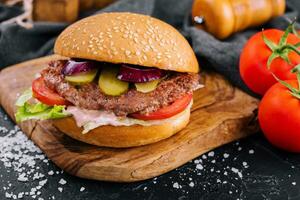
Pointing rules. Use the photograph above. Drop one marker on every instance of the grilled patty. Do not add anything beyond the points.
(89, 96)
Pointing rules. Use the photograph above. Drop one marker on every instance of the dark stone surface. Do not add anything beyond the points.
(248, 169)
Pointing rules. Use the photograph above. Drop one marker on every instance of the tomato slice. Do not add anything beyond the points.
(45, 95)
(166, 112)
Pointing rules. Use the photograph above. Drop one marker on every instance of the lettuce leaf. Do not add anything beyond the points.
(27, 111)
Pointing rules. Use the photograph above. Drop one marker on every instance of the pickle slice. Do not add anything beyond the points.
(109, 84)
(82, 78)
(147, 87)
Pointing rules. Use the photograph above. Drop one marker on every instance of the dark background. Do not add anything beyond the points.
(248, 169)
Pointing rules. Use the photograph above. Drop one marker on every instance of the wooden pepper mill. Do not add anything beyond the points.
(222, 18)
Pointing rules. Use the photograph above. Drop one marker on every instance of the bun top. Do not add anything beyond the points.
(127, 38)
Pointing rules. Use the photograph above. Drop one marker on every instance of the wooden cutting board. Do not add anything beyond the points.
(220, 114)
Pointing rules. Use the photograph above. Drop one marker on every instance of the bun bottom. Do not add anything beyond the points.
(124, 136)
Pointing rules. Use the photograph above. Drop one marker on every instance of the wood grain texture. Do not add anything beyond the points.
(55, 10)
(64, 10)
(94, 4)
(220, 114)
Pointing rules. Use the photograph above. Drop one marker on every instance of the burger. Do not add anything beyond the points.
(123, 80)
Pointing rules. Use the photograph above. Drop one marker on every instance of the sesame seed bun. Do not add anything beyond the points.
(127, 38)
(124, 136)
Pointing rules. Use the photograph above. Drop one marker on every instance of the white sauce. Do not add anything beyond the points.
(91, 119)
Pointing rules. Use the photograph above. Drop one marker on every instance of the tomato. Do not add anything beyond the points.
(166, 112)
(45, 95)
(253, 61)
(279, 117)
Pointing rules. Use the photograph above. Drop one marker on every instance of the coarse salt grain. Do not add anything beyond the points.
(62, 181)
(235, 170)
(18, 154)
(22, 177)
(191, 184)
(199, 166)
(176, 185)
(245, 164)
(225, 155)
(50, 173)
(196, 161)
(211, 154)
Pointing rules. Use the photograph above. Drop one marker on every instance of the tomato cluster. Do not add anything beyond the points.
(269, 65)
(254, 68)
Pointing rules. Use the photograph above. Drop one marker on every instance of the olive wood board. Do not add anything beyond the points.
(220, 114)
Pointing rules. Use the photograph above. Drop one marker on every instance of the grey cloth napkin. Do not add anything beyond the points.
(18, 44)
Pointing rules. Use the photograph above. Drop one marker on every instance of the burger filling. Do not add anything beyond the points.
(91, 119)
(99, 94)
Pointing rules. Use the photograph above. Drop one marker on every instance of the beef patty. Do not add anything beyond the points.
(89, 96)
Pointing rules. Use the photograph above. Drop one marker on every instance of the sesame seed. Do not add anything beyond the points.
(127, 52)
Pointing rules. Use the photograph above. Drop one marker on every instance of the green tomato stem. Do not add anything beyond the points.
(282, 49)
